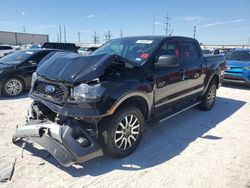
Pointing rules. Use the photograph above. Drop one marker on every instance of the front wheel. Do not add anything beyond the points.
(13, 87)
(121, 133)
(208, 100)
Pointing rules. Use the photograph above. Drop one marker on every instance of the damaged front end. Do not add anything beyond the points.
(66, 139)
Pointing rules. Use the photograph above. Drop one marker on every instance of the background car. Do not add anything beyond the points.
(238, 65)
(86, 50)
(206, 51)
(62, 46)
(6, 49)
(16, 70)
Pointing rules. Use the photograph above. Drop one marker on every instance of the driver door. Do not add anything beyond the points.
(170, 81)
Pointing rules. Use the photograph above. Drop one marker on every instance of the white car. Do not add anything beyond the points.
(6, 49)
(86, 50)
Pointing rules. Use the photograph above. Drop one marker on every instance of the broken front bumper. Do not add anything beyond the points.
(69, 143)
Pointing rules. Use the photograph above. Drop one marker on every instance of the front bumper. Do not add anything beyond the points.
(69, 143)
(238, 75)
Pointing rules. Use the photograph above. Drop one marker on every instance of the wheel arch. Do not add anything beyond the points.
(215, 77)
(138, 99)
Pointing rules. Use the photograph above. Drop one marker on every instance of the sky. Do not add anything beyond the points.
(216, 21)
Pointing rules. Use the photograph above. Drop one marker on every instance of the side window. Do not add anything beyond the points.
(38, 57)
(169, 48)
(190, 51)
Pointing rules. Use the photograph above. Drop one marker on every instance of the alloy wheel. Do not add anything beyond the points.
(127, 132)
(13, 87)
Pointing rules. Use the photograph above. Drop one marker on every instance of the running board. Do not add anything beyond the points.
(176, 113)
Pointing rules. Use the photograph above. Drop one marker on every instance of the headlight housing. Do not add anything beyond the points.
(34, 77)
(248, 67)
(87, 92)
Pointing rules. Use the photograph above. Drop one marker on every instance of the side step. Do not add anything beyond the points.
(173, 113)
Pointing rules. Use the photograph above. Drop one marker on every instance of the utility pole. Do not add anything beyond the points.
(24, 30)
(167, 24)
(95, 38)
(57, 37)
(121, 33)
(64, 32)
(153, 30)
(248, 42)
(60, 33)
(109, 36)
(79, 37)
(194, 32)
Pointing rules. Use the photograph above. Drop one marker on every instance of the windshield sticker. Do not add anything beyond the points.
(144, 56)
(144, 41)
(30, 53)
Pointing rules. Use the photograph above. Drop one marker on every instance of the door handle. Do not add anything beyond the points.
(196, 75)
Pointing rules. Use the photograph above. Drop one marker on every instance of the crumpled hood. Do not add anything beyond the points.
(75, 68)
(235, 63)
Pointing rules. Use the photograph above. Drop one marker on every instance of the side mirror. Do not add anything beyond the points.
(167, 61)
(32, 62)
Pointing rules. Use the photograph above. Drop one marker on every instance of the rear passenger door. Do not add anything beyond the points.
(195, 66)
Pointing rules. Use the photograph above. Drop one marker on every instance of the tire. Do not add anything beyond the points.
(121, 133)
(208, 100)
(13, 87)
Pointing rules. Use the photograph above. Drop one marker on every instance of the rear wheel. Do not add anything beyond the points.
(121, 133)
(209, 97)
(13, 87)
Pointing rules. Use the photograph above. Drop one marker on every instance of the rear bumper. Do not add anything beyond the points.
(69, 143)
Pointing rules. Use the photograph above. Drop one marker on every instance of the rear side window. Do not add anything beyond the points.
(170, 48)
(39, 56)
(190, 50)
(5, 48)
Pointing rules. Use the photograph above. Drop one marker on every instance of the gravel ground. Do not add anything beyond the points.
(193, 149)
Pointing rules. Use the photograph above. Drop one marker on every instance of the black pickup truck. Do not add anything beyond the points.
(84, 105)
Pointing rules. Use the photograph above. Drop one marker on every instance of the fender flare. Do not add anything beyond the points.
(209, 81)
(129, 95)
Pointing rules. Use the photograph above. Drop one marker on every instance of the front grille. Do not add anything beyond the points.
(56, 96)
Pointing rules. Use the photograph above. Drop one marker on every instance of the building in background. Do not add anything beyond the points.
(14, 38)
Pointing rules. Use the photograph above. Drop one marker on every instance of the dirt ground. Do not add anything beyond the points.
(193, 149)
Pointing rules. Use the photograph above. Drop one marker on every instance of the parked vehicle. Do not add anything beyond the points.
(86, 50)
(36, 46)
(62, 46)
(5, 50)
(86, 104)
(238, 66)
(16, 70)
(206, 51)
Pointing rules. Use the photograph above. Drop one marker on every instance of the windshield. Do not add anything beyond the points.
(238, 55)
(16, 57)
(134, 49)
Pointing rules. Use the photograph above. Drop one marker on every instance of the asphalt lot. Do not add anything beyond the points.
(193, 149)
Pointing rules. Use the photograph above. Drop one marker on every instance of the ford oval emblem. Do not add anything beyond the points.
(49, 89)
